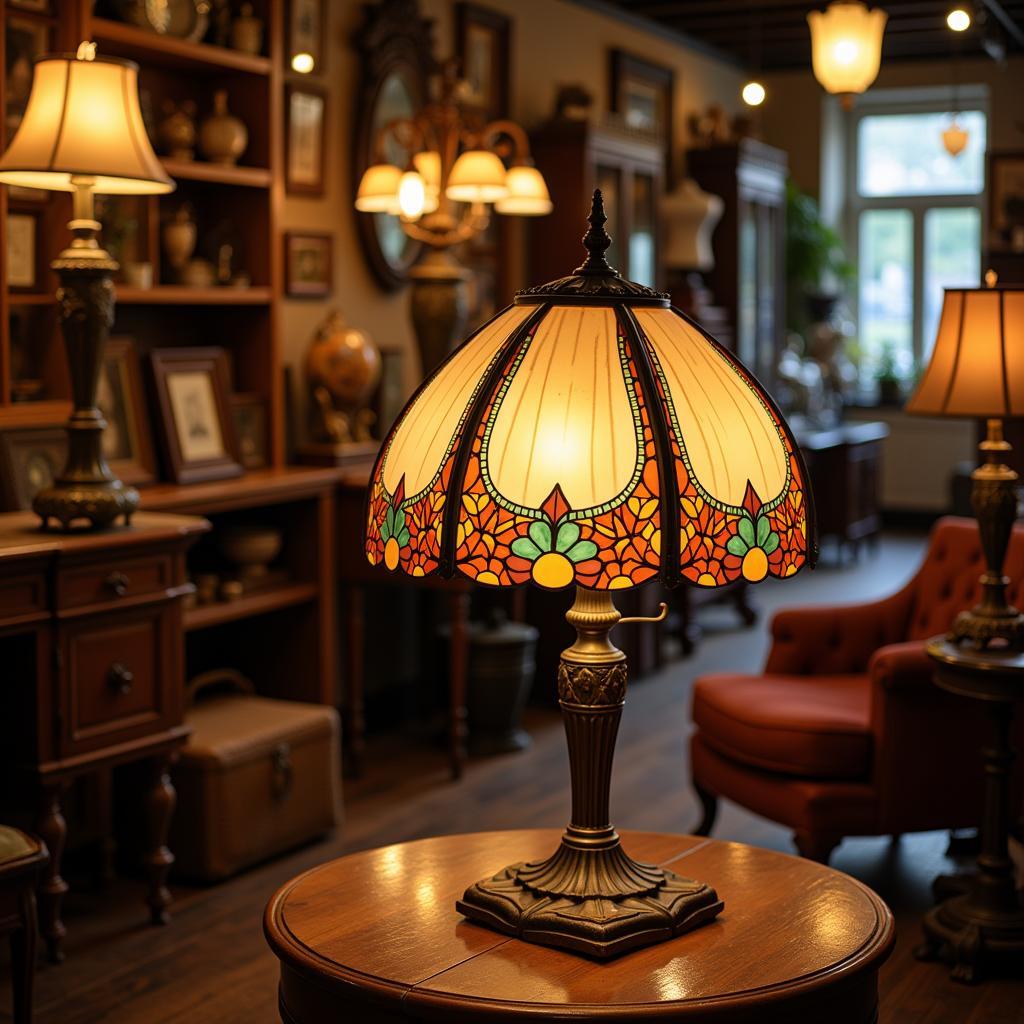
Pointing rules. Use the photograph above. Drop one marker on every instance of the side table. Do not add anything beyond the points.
(985, 923)
(375, 936)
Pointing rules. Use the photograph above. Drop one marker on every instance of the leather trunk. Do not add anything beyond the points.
(258, 777)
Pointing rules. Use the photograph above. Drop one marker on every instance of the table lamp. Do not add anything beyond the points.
(591, 435)
(977, 370)
(82, 132)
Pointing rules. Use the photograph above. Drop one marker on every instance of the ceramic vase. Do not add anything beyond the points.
(222, 137)
(177, 131)
(247, 31)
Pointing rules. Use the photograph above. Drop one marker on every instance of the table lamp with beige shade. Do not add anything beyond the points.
(977, 371)
(83, 133)
(590, 435)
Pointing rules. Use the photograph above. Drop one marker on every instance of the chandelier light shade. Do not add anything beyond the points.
(955, 138)
(83, 121)
(846, 46)
(527, 193)
(591, 434)
(478, 176)
(378, 189)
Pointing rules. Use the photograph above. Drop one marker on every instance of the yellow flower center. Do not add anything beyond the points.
(391, 553)
(755, 565)
(553, 570)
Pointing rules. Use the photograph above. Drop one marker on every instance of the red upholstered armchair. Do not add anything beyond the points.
(844, 733)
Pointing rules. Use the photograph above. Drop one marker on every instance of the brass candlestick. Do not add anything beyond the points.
(590, 896)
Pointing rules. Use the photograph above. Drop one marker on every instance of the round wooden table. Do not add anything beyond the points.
(375, 937)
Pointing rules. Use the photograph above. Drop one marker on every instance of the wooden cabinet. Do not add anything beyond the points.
(749, 275)
(92, 641)
(575, 158)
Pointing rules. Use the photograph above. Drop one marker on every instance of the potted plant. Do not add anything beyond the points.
(817, 268)
(888, 377)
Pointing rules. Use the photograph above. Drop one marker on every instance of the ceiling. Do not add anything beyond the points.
(773, 34)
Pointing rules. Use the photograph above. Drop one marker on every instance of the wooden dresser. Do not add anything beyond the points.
(91, 644)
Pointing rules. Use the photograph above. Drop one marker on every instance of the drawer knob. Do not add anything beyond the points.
(121, 678)
(117, 582)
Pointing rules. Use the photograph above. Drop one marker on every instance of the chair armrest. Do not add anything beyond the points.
(834, 640)
(904, 666)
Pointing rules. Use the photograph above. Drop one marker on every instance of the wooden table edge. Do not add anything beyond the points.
(297, 956)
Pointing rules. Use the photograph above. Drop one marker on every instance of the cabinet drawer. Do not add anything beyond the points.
(105, 584)
(22, 597)
(121, 677)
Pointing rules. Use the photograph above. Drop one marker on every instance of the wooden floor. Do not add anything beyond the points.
(211, 966)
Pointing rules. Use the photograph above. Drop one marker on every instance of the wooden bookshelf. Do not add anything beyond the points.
(292, 652)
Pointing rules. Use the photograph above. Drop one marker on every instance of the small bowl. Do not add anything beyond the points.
(251, 548)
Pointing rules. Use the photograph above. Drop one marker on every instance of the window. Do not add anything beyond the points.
(915, 219)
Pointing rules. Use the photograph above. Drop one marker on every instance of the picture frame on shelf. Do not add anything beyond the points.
(127, 442)
(30, 459)
(25, 39)
(641, 93)
(306, 30)
(196, 427)
(249, 415)
(22, 251)
(305, 110)
(483, 48)
(1006, 200)
(308, 262)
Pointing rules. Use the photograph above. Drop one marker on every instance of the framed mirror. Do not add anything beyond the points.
(395, 44)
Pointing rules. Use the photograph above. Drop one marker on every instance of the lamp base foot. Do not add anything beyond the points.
(597, 926)
(98, 504)
(979, 629)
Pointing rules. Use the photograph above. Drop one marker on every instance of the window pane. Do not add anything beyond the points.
(903, 155)
(952, 255)
(886, 282)
(642, 266)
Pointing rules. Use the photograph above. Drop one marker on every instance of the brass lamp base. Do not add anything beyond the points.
(590, 896)
(994, 500)
(99, 503)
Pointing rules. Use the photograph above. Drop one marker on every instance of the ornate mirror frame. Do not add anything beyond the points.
(395, 40)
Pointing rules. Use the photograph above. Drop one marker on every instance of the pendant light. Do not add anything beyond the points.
(846, 47)
(955, 137)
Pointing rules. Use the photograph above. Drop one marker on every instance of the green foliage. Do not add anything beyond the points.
(814, 251)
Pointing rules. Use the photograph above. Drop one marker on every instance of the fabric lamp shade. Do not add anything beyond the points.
(83, 121)
(477, 176)
(846, 45)
(591, 434)
(977, 364)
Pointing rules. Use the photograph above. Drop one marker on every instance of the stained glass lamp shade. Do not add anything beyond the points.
(590, 434)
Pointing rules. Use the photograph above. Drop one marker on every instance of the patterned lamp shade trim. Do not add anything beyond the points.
(603, 444)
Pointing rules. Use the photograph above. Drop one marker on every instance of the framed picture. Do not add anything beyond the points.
(1006, 199)
(22, 250)
(641, 94)
(25, 39)
(307, 264)
(305, 35)
(30, 459)
(127, 441)
(304, 140)
(482, 45)
(249, 414)
(197, 430)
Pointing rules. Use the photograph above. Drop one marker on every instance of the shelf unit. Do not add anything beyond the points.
(281, 637)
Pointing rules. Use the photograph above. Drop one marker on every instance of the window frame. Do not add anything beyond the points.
(911, 101)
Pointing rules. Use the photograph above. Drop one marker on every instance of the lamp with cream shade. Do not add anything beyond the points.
(83, 133)
(977, 371)
(591, 436)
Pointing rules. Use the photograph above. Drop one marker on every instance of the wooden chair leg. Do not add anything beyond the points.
(817, 846)
(23, 958)
(709, 804)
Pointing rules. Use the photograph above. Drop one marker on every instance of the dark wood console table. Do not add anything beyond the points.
(91, 640)
(375, 936)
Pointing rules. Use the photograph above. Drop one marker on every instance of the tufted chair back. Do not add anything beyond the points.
(947, 582)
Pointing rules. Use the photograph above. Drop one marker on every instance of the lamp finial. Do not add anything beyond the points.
(596, 240)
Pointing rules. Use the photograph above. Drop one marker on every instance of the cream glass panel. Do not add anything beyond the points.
(728, 434)
(566, 418)
(428, 427)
